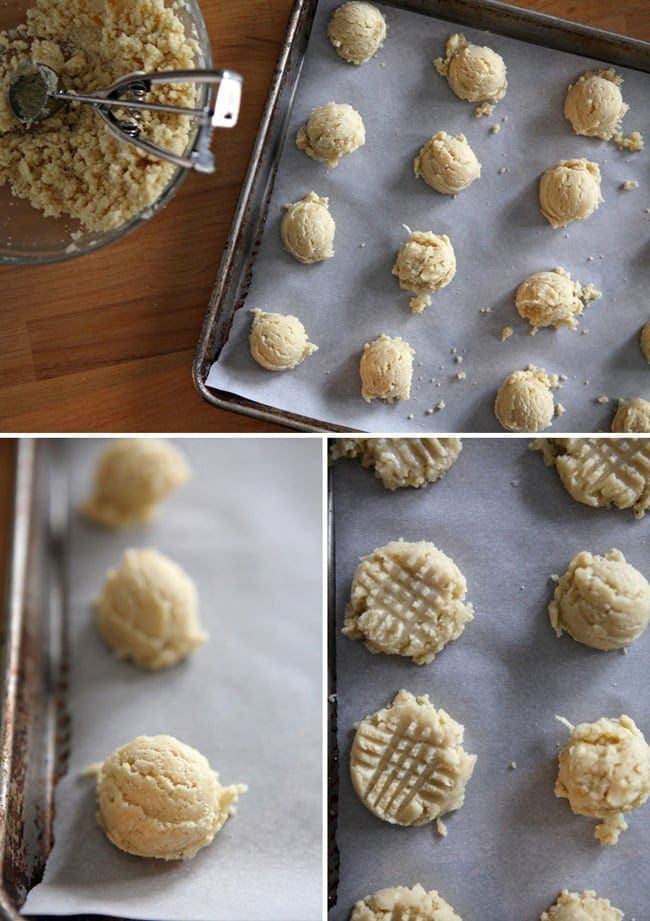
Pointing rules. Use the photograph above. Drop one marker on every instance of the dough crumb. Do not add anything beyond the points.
(308, 229)
(486, 108)
(630, 184)
(401, 902)
(559, 410)
(458, 359)
(474, 73)
(357, 31)
(278, 342)
(553, 299)
(506, 332)
(386, 369)
(569, 191)
(333, 131)
(441, 405)
(602, 399)
(495, 129)
(441, 828)
(461, 375)
(513, 765)
(633, 142)
(644, 342)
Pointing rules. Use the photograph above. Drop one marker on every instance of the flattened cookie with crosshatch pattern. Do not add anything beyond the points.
(407, 599)
(602, 472)
(400, 462)
(408, 765)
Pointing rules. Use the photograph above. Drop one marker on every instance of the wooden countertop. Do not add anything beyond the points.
(105, 343)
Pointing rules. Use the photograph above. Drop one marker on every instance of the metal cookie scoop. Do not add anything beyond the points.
(36, 92)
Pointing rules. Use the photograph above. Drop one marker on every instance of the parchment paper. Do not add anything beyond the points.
(247, 528)
(495, 226)
(513, 846)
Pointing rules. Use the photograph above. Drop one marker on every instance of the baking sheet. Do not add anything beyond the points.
(508, 523)
(496, 228)
(247, 528)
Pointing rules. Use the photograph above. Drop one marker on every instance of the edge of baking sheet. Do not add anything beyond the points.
(244, 238)
(34, 729)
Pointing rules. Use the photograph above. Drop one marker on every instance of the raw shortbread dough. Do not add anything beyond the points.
(407, 599)
(447, 163)
(572, 906)
(147, 611)
(400, 462)
(357, 31)
(278, 342)
(132, 477)
(632, 416)
(569, 191)
(552, 299)
(594, 104)
(426, 262)
(308, 229)
(524, 402)
(386, 370)
(332, 131)
(403, 904)
(604, 772)
(601, 601)
(426, 745)
(601, 472)
(474, 73)
(159, 798)
(644, 342)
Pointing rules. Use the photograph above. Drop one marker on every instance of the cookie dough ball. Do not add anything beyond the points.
(333, 131)
(386, 370)
(428, 744)
(407, 599)
(278, 342)
(132, 477)
(645, 342)
(524, 401)
(604, 772)
(571, 906)
(308, 229)
(552, 299)
(400, 462)
(594, 104)
(159, 798)
(569, 191)
(147, 611)
(400, 902)
(357, 31)
(474, 73)
(632, 416)
(426, 262)
(601, 601)
(446, 163)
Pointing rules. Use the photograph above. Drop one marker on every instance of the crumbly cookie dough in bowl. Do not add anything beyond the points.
(67, 185)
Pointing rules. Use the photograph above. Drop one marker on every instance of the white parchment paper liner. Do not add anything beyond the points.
(247, 528)
(508, 524)
(495, 226)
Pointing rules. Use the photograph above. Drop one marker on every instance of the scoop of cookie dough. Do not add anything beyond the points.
(429, 745)
(524, 401)
(552, 299)
(308, 229)
(402, 903)
(594, 104)
(407, 599)
(278, 342)
(474, 73)
(357, 31)
(333, 131)
(147, 611)
(426, 262)
(601, 472)
(644, 342)
(632, 416)
(386, 370)
(569, 191)
(601, 601)
(446, 163)
(400, 462)
(159, 798)
(604, 772)
(572, 906)
(132, 477)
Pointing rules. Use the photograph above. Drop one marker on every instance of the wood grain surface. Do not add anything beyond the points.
(105, 343)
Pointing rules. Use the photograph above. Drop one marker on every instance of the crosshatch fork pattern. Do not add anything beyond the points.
(608, 470)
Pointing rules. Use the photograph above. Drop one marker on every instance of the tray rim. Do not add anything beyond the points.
(273, 127)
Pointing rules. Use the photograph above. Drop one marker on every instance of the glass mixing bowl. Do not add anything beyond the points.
(29, 238)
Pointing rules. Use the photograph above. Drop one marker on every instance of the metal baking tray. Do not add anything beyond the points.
(34, 727)
(235, 273)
